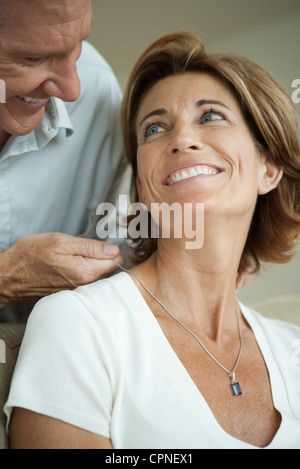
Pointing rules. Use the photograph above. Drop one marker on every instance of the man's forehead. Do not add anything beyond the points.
(52, 8)
(58, 24)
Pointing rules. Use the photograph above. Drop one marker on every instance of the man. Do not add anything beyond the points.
(60, 151)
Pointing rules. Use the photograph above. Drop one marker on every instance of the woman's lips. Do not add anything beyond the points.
(191, 170)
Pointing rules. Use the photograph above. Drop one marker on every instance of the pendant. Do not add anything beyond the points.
(236, 387)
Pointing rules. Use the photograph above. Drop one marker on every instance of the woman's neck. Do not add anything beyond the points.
(198, 286)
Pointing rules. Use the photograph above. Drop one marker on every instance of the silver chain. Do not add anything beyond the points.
(231, 373)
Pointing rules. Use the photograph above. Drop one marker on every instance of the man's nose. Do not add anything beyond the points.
(63, 81)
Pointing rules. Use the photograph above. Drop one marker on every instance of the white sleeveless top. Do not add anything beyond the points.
(97, 359)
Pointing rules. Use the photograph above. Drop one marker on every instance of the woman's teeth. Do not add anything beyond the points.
(191, 172)
(27, 99)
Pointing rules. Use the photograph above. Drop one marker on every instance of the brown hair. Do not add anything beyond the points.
(270, 115)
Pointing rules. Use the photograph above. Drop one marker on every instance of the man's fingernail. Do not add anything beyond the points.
(110, 250)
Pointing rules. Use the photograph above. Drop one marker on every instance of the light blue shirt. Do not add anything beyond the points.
(52, 179)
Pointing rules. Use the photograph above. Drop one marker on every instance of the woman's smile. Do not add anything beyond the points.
(190, 130)
(191, 170)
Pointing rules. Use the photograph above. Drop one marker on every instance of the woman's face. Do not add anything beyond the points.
(194, 146)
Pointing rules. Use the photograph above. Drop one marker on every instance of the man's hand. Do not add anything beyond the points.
(38, 265)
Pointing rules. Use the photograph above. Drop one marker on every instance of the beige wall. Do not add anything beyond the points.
(267, 31)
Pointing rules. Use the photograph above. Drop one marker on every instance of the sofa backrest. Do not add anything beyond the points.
(11, 336)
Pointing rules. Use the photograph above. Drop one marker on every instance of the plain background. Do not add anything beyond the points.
(267, 31)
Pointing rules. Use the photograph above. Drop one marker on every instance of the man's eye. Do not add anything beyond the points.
(34, 59)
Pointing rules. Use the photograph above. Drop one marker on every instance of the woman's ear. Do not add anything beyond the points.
(270, 174)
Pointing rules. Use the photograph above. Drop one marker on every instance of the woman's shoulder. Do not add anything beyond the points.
(273, 325)
(72, 342)
(274, 321)
(100, 301)
(85, 322)
(279, 342)
(281, 337)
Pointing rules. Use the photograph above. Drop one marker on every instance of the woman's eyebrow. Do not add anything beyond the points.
(203, 102)
(156, 112)
(162, 111)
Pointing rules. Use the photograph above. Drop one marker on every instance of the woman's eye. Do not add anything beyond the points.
(212, 116)
(153, 129)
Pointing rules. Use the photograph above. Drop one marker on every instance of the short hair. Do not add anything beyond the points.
(271, 118)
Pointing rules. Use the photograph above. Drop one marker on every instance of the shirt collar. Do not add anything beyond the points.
(56, 117)
(63, 118)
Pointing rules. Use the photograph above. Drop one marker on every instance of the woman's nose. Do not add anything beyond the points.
(185, 140)
(184, 148)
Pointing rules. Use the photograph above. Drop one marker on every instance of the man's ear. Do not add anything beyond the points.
(270, 174)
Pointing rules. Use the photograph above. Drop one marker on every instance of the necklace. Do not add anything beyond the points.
(237, 391)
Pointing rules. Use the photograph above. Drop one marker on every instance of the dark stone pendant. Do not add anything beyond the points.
(236, 387)
(237, 390)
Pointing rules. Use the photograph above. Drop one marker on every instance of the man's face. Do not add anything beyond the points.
(40, 43)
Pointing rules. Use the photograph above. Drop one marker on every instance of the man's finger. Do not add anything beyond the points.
(94, 249)
(95, 269)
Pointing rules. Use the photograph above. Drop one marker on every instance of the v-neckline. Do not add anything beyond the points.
(181, 379)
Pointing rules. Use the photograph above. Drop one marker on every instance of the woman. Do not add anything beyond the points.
(165, 356)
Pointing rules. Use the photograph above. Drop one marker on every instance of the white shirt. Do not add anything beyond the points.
(54, 178)
(96, 358)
